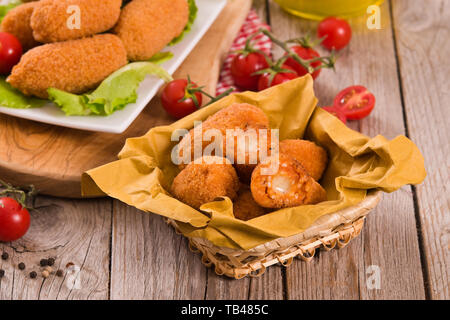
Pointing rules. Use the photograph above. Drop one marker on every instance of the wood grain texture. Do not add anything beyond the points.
(270, 286)
(423, 43)
(70, 231)
(53, 158)
(162, 266)
(150, 261)
(389, 239)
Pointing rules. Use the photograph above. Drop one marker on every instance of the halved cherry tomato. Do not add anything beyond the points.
(307, 54)
(10, 52)
(14, 220)
(280, 77)
(178, 101)
(243, 68)
(337, 112)
(336, 33)
(356, 102)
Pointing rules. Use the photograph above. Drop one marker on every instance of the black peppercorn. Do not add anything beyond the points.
(2, 273)
(59, 273)
(5, 256)
(21, 266)
(43, 262)
(50, 261)
(33, 274)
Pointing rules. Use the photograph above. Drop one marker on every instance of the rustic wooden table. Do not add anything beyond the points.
(124, 254)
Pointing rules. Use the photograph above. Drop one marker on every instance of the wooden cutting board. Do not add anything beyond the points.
(53, 158)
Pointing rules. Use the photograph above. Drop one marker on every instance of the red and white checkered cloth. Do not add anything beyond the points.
(252, 24)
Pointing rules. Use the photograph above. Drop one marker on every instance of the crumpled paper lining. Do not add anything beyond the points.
(144, 172)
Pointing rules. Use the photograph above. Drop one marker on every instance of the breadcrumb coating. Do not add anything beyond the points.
(53, 20)
(202, 181)
(245, 207)
(17, 22)
(312, 157)
(290, 186)
(147, 26)
(242, 116)
(75, 66)
(239, 115)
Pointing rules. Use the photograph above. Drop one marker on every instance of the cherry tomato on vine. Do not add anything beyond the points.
(244, 65)
(356, 102)
(336, 33)
(177, 98)
(280, 77)
(307, 54)
(10, 52)
(337, 112)
(14, 220)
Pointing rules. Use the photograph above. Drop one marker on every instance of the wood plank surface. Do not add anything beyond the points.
(166, 269)
(150, 261)
(423, 44)
(389, 239)
(127, 254)
(75, 232)
(269, 286)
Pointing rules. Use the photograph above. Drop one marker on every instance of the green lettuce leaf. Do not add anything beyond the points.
(5, 8)
(192, 15)
(113, 94)
(161, 57)
(13, 98)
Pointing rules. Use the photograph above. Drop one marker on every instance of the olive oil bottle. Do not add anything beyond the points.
(319, 9)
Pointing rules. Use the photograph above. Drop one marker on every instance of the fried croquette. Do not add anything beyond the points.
(74, 66)
(204, 180)
(284, 185)
(245, 207)
(241, 116)
(60, 20)
(312, 157)
(147, 26)
(252, 148)
(17, 22)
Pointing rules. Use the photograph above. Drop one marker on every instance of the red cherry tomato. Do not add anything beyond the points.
(337, 112)
(280, 77)
(307, 54)
(14, 220)
(10, 52)
(356, 102)
(244, 66)
(337, 33)
(172, 98)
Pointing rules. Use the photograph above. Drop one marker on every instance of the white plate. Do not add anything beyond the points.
(118, 122)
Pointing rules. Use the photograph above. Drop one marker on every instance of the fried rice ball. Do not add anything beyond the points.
(255, 149)
(147, 26)
(74, 66)
(239, 115)
(242, 116)
(312, 157)
(204, 180)
(51, 19)
(289, 186)
(17, 22)
(245, 207)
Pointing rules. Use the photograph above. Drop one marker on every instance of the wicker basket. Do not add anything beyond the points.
(329, 231)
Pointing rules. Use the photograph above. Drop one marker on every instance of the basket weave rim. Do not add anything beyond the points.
(349, 214)
(237, 263)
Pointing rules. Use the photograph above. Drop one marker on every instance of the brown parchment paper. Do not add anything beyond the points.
(144, 171)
